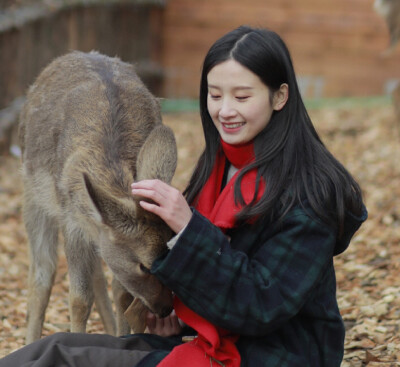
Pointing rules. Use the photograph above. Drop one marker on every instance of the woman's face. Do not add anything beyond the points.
(238, 102)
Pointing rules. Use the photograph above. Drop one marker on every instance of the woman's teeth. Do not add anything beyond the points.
(233, 126)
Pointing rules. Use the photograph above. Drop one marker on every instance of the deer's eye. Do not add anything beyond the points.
(144, 269)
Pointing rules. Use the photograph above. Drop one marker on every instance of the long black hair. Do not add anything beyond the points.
(294, 163)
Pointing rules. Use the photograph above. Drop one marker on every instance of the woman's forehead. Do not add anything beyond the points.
(232, 74)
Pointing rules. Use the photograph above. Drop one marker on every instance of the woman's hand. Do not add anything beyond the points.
(165, 327)
(170, 205)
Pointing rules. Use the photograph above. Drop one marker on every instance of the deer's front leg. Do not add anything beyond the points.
(81, 259)
(122, 299)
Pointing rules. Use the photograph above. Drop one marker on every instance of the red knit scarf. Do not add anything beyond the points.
(219, 207)
(215, 346)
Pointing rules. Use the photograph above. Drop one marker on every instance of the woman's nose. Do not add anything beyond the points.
(227, 110)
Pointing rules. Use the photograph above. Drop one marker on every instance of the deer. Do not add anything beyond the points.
(390, 11)
(88, 129)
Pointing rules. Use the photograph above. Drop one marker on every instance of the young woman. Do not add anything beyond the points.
(257, 227)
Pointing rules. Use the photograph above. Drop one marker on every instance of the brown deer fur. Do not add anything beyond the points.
(89, 129)
(390, 11)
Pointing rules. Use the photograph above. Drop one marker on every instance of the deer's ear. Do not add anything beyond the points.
(107, 209)
(158, 156)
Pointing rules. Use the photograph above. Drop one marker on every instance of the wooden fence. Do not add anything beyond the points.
(34, 34)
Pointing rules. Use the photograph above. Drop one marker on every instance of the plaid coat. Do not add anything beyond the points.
(272, 284)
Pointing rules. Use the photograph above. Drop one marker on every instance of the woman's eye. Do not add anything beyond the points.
(215, 96)
(242, 98)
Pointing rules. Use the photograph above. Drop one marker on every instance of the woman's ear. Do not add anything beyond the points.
(280, 97)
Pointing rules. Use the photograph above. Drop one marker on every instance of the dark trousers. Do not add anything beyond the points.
(79, 350)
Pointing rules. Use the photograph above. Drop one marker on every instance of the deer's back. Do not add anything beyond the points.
(85, 113)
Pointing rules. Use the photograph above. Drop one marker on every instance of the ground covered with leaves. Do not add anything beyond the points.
(366, 139)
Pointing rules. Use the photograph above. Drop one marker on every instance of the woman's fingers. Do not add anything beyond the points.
(169, 204)
(151, 187)
(151, 322)
(166, 326)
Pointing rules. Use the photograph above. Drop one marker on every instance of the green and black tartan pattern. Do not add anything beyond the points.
(274, 284)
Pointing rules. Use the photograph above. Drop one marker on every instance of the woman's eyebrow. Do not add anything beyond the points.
(239, 87)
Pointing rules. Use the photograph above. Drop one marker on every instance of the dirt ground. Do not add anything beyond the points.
(365, 139)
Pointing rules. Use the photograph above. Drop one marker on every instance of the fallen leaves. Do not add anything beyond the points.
(368, 272)
(365, 140)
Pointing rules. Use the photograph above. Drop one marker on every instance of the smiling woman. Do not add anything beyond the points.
(237, 102)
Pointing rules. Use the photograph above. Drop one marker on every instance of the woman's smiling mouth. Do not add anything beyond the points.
(232, 125)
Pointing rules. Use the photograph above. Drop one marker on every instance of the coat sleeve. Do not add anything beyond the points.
(249, 296)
